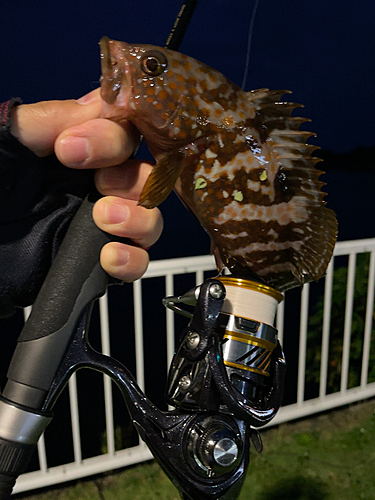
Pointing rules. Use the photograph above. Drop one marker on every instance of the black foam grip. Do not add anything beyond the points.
(73, 282)
(14, 460)
(75, 263)
(6, 486)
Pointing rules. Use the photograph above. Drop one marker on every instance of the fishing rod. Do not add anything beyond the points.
(181, 24)
(225, 381)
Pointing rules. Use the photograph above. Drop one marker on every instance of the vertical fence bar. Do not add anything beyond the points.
(368, 321)
(169, 314)
(138, 326)
(106, 349)
(280, 320)
(199, 277)
(326, 330)
(42, 456)
(73, 399)
(169, 290)
(302, 343)
(348, 322)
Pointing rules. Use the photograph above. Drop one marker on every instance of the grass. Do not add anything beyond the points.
(329, 457)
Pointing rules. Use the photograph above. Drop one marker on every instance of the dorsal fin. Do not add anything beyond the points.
(301, 178)
(282, 128)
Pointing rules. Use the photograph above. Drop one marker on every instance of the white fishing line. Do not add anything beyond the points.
(250, 304)
(251, 29)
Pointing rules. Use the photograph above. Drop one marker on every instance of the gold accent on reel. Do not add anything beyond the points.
(251, 285)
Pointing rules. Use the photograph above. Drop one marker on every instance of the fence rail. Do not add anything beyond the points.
(301, 401)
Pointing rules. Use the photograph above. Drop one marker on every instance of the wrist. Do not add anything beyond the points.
(6, 110)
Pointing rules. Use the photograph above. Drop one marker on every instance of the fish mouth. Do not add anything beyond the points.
(112, 78)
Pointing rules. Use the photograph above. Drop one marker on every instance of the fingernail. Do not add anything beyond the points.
(74, 150)
(114, 213)
(88, 98)
(122, 257)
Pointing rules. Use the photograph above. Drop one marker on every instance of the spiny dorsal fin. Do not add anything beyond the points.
(261, 98)
(271, 109)
(283, 129)
(311, 243)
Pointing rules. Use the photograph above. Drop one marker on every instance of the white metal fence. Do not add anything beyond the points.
(324, 372)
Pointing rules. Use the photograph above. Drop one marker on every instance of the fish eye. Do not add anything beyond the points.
(154, 63)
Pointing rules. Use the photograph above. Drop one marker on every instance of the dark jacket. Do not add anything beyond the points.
(38, 198)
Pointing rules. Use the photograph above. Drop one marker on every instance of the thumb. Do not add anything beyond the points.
(37, 125)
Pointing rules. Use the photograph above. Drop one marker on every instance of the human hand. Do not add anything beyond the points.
(81, 139)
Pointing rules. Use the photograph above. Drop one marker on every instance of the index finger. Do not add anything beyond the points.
(37, 125)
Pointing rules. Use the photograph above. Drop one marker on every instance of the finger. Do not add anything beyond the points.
(37, 125)
(124, 262)
(126, 180)
(124, 218)
(96, 143)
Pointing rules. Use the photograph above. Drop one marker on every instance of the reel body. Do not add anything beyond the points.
(230, 365)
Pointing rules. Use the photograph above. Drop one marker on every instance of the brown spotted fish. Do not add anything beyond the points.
(237, 159)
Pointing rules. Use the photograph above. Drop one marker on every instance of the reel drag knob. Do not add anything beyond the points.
(215, 446)
(218, 448)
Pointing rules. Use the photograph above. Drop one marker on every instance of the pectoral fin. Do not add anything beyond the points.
(162, 179)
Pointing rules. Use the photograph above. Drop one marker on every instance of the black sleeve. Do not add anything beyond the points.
(38, 198)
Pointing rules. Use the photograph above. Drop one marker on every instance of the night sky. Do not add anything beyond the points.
(322, 51)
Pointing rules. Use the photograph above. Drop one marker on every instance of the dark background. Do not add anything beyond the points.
(322, 51)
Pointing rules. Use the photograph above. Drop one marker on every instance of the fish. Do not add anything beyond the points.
(237, 160)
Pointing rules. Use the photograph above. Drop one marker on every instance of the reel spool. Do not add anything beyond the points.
(249, 339)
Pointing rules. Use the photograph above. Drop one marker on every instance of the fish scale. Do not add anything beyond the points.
(236, 159)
